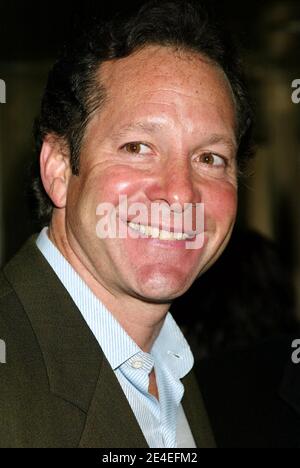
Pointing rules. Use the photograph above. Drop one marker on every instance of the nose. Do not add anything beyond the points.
(175, 185)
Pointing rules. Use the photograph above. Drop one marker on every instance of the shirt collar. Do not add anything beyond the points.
(170, 348)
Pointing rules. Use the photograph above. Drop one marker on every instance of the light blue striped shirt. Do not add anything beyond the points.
(162, 422)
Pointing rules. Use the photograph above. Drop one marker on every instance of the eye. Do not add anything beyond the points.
(211, 159)
(136, 148)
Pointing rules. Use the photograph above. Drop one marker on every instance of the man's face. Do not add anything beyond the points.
(166, 134)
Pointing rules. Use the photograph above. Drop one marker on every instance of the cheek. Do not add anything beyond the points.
(101, 187)
(220, 202)
(116, 182)
(108, 185)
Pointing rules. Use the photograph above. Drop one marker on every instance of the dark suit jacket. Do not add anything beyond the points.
(253, 396)
(57, 388)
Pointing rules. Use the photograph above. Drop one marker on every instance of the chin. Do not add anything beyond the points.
(163, 291)
(163, 298)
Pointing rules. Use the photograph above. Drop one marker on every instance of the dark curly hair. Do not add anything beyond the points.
(73, 92)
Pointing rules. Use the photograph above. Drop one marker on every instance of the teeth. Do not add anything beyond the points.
(165, 235)
(156, 233)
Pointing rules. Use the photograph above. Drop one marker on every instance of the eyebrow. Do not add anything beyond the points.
(147, 127)
(219, 138)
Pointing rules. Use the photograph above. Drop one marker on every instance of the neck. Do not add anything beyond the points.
(141, 320)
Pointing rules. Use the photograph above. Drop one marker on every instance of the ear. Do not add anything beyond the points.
(55, 170)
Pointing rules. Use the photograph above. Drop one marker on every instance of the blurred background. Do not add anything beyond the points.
(31, 34)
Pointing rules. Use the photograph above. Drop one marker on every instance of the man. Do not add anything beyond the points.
(146, 112)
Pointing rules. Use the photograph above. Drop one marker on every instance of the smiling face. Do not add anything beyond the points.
(165, 134)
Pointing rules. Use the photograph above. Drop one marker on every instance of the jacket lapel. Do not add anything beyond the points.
(196, 413)
(77, 369)
(110, 404)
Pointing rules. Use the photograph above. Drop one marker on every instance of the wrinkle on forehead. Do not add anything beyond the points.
(161, 63)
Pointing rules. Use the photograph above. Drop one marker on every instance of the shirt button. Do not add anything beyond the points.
(137, 365)
(171, 353)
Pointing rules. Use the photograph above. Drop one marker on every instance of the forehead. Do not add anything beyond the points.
(157, 68)
(181, 90)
